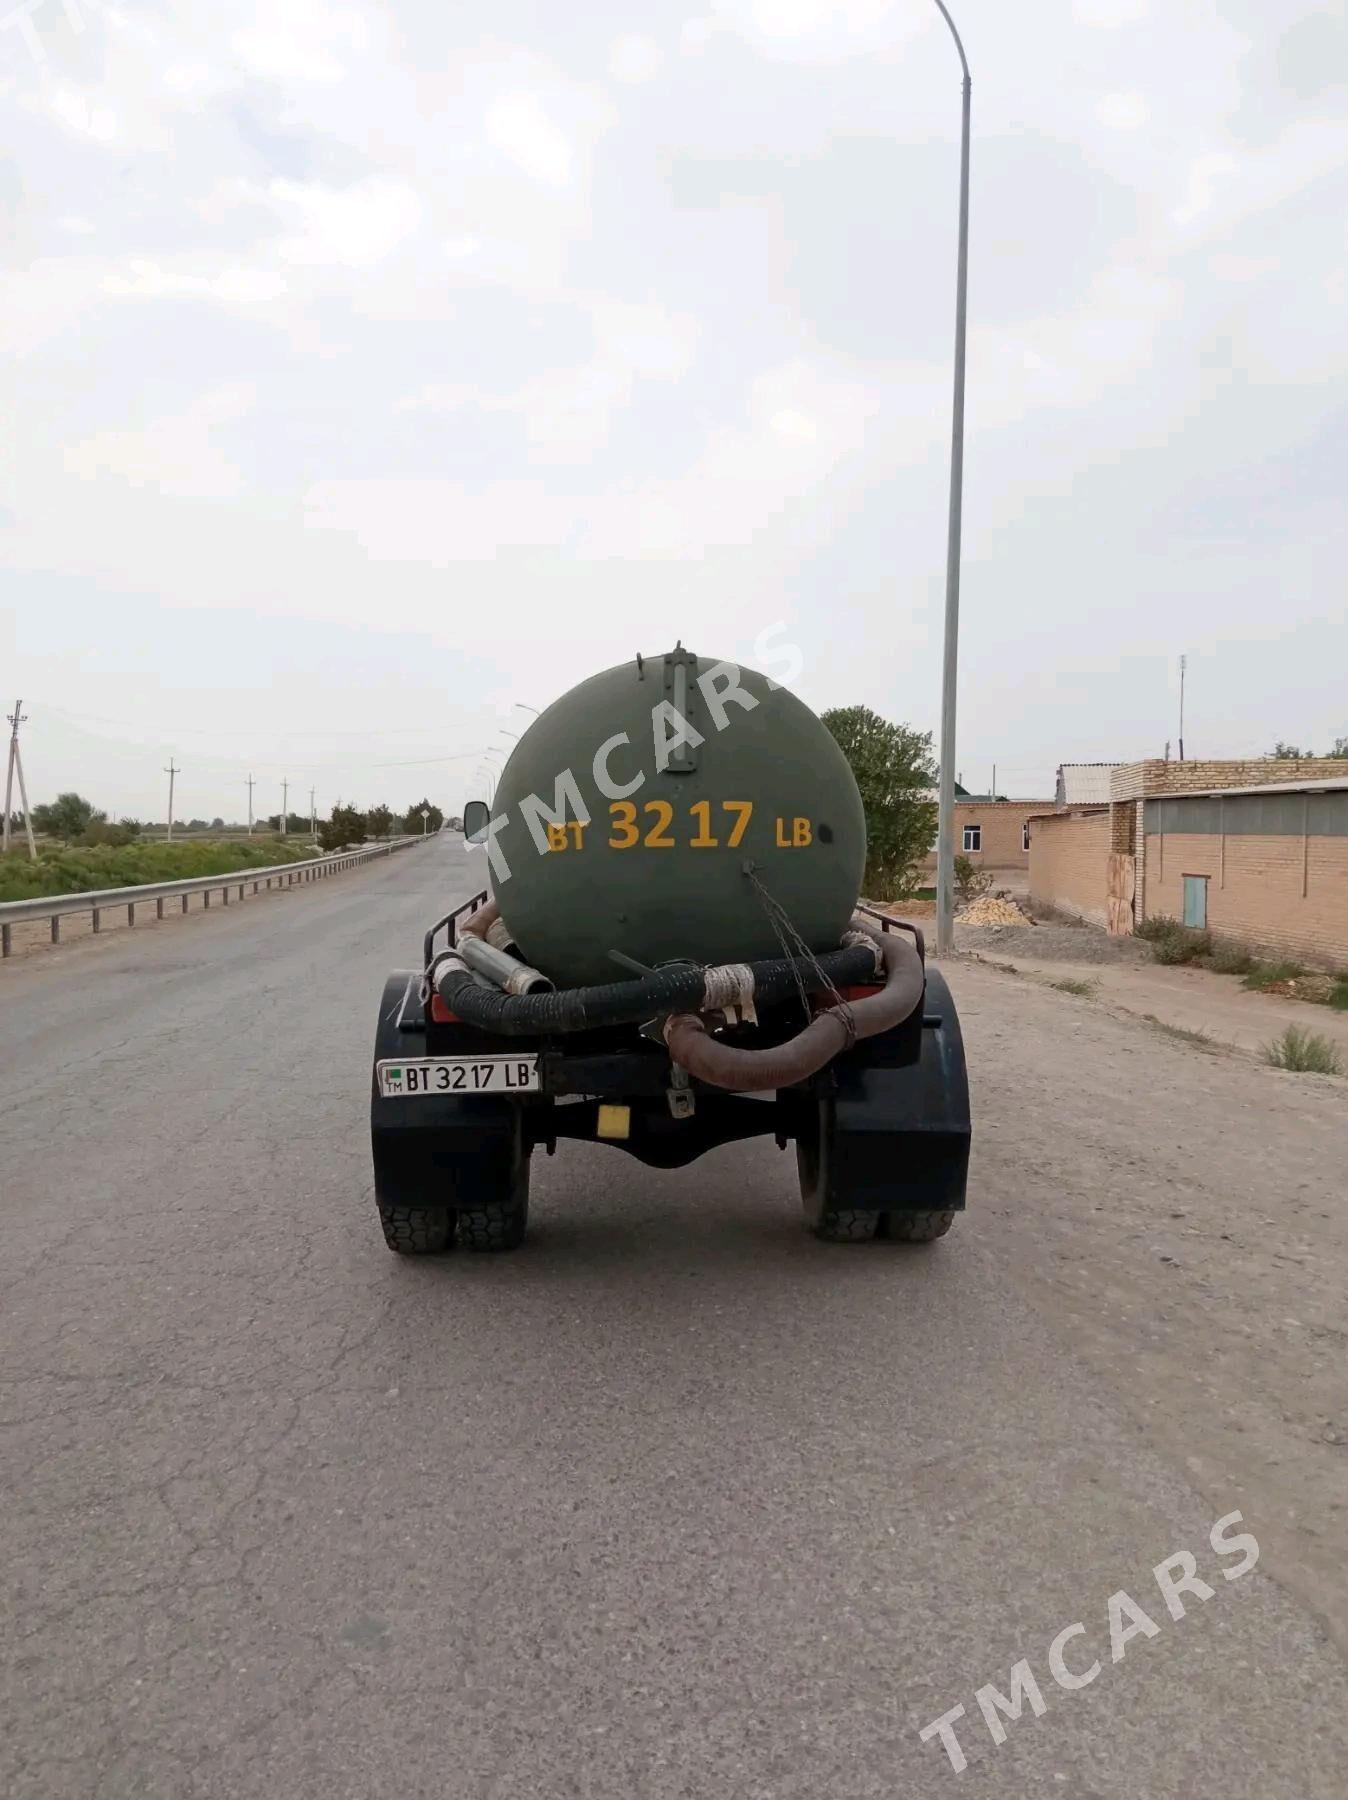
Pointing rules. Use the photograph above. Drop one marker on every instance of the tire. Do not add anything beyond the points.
(831, 1224)
(495, 1225)
(916, 1227)
(417, 1230)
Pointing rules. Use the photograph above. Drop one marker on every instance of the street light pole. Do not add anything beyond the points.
(945, 827)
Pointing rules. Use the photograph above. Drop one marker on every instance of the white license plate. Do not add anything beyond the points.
(419, 1076)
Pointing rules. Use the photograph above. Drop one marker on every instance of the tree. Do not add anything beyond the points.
(378, 822)
(1287, 753)
(971, 882)
(125, 832)
(895, 771)
(411, 821)
(346, 826)
(66, 817)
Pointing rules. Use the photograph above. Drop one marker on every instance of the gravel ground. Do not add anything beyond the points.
(1052, 943)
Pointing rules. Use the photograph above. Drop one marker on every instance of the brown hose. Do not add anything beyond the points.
(478, 924)
(693, 1048)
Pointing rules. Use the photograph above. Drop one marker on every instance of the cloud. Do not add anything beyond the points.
(820, 30)
(518, 126)
(173, 456)
(140, 279)
(1123, 112)
(349, 227)
(303, 41)
(634, 59)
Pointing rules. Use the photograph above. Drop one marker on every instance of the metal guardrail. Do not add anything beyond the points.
(58, 906)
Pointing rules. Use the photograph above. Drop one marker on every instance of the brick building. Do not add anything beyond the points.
(1266, 867)
(1257, 851)
(993, 834)
(1068, 855)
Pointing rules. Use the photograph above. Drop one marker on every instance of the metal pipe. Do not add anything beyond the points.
(506, 971)
(945, 826)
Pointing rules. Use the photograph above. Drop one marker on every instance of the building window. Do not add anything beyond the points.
(1025, 835)
(1196, 902)
(973, 838)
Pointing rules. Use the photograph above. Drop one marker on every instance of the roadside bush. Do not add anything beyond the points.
(81, 869)
(1305, 1052)
(1267, 975)
(971, 882)
(1180, 945)
(1152, 930)
(1339, 998)
(1230, 959)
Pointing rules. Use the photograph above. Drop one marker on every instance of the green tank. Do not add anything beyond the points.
(674, 807)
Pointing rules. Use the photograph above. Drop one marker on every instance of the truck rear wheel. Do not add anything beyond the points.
(417, 1230)
(915, 1227)
(494, 1209)
(831, 1223)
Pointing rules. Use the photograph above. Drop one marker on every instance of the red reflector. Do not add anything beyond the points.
(440, 1013)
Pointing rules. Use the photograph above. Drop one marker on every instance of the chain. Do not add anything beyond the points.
(797, 951)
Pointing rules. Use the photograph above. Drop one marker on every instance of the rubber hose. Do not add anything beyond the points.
(743, 1071)
(680, 988)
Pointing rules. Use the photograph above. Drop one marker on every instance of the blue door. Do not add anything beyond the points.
(1196, 901)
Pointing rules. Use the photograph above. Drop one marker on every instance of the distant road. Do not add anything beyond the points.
(673, 1502)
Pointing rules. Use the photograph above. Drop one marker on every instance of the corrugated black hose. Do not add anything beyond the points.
(677, 989)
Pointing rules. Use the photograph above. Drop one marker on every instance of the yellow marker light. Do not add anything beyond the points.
(614, 1122)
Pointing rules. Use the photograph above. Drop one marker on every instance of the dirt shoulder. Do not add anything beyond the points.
(1121, 974)
(1182, 1217)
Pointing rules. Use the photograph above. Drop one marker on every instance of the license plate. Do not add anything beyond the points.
(424, 1075)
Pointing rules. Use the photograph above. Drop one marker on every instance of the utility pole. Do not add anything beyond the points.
(313, 817)
(285, 806)
(171, 771)
(945, 830)
(251, 785)
(1184, 664)
(16, 718)
(994, 781)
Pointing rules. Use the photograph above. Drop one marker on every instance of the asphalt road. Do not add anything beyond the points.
(675, 1501)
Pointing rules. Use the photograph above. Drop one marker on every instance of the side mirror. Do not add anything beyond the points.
(476, 821)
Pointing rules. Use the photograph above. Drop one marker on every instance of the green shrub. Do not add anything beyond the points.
(1266, 975)
(971, 882)
(1151, 930)
(1338, 999)
(1180, 945)
(1305, 1052)
(82, 869)
(1230, 959)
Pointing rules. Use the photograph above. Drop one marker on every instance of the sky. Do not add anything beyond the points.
(373, 373)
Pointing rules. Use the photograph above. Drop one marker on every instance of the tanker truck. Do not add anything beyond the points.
(669, 953)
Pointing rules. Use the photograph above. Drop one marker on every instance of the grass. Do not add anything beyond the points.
(1267, 975)
(1072, 984)
(1230, 959)
(1338, 999)
(80, 870)
(1198, 1039)
(1173, 943)
(1305, 1052)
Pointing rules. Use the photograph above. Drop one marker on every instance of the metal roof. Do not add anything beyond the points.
(1333, 784)
(1084, 784)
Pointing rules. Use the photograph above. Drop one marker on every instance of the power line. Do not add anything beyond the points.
(15, 767)
(171, 771)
